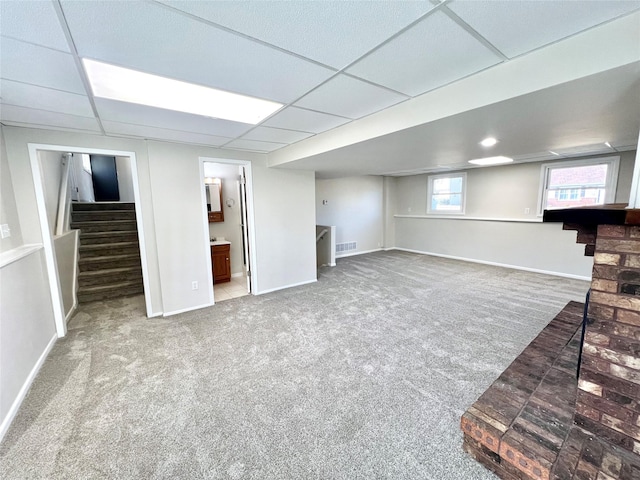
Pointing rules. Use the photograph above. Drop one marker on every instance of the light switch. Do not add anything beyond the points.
(5, 231)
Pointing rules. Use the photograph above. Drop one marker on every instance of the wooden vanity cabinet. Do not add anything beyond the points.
(221, 263)
(215, 216)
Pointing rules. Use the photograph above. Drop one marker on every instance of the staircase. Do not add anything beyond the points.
(109, 261)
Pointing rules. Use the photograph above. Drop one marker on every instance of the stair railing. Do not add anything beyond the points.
(63, 196)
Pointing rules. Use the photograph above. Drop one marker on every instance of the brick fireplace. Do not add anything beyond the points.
(539, 420)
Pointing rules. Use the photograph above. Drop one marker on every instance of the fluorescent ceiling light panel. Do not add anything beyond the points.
(118, 83)
(488, 142)
(491, 161)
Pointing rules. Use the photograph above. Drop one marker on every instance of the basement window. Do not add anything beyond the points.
(446, 193)
(578, 183)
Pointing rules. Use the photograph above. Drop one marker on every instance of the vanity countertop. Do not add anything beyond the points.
(220, 242)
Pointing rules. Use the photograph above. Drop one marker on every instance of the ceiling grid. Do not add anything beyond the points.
(332, 65)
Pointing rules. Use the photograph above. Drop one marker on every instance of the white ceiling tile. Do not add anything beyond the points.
(24, 62)
(518, 27)
(116, 128)
(294, 118)
(123, 112)
(349, 97)
(277, 135)
(433, 53)
(31, 96)
(333, 33)
(34, 22)
(153, 39)
(242, 144)
(43, 118)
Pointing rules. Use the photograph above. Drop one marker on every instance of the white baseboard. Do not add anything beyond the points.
(497, 264)
(72, 311)
(285, 287)
(6, 421)
(189, 309)
(238, 274)
(358, 253)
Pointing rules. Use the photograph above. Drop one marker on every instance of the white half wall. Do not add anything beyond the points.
(542, 247)
(355, 205)
(27, 329)
(66, 248)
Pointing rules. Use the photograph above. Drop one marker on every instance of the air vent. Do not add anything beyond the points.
(346, 247)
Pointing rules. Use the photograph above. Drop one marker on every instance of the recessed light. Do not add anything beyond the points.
(125, 85)
(488, 142)
(491, 161)
(608, 144)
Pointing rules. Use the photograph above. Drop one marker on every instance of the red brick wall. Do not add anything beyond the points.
(608, 402)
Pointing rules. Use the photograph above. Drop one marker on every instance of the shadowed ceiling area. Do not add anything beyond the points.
(340, 67)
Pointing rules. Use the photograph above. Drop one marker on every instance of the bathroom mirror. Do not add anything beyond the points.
(214, 199)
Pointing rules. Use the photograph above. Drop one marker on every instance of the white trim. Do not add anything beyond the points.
(188, 309)
(463, 192)
(496, 264)
(634, 195)
(33, 148)
(207, 234)
(352, 254)
(15, 254)
(612, 176)
(6, 421)
(307, 282)
(72, 310)
(47, 242)
(250, 215)
(480, 219)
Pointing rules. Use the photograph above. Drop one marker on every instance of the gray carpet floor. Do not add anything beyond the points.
(362, 375)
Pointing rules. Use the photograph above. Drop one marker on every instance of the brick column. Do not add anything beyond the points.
(608, 402)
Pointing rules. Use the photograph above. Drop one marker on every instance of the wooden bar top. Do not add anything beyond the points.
(609, 214)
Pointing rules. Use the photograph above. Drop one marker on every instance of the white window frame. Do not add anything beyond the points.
(463, 193)
(611, 184)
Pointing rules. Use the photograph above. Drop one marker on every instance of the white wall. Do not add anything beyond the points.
(125, 179)
(51, 167)
(498, 193)
(285, 227)
(83, 179)
(26, 329)
(231, 228)
(8, 210)
(355, 206)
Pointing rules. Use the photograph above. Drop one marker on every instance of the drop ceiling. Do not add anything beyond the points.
(334, 65)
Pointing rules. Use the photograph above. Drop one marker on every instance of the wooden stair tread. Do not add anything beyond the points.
(111, 286)
(106, 234)
(98, 246)
(121, 256)
(108, 271)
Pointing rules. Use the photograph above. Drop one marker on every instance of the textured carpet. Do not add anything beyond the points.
(364, 374)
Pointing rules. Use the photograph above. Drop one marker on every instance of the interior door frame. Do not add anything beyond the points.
(250, 217)
(47, 237)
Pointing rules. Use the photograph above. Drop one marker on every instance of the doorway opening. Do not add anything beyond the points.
(66, 197)
(228, 204)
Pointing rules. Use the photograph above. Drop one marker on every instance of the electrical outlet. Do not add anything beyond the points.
(194, 285)
(5, 231)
